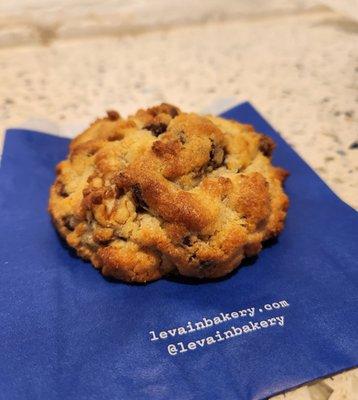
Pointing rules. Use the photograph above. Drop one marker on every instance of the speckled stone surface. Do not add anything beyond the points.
(300, 71)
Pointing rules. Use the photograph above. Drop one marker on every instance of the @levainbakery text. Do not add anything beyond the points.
(237, 323)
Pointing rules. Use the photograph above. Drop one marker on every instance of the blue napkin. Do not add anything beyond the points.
(283, 319)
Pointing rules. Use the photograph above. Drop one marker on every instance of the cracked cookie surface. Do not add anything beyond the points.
(165, 191)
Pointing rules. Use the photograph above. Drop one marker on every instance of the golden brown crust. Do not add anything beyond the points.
(166, 191)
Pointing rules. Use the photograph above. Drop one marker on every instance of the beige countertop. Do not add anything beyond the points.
(300, 71)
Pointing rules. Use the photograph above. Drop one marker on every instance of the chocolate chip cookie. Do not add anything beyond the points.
(165, 191)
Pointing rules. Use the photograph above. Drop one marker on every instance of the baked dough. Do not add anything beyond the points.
(165, 191)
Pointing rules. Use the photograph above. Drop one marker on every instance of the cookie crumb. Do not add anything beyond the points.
(156, 129)
(113, 115)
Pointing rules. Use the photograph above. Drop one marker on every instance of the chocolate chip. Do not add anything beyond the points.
(212, 150)
(115, 138)
(104, 242)
(173, 112)
(69, 222)
(62, 191)
(167, 109)
(141, 205)
(186, 241)
(119, 192)
(266, 145)
(113, 115)
(96, 198)
(156, 129)
(216, 155)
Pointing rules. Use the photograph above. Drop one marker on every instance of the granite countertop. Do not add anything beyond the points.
(300, 71)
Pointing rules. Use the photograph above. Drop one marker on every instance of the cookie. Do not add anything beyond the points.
(165, 191)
